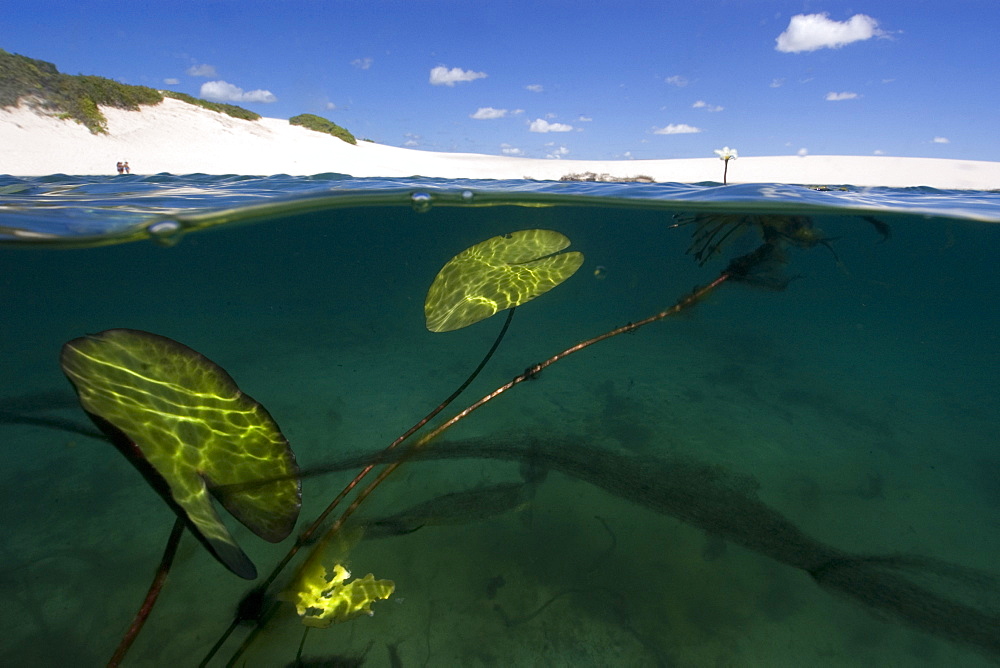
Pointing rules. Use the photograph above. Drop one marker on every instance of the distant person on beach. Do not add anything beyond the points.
(128, 170)
(121, 167)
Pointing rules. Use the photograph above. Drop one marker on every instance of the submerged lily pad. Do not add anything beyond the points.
(186, 425)
(497, 274)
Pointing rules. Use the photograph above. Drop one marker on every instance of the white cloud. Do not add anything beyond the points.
(201, 71)
(507, 149)
(585, 119)
(701, 104)
(535, 88)
(362, 63)
(542, 125)
(878, 151)
(677, 80)
(442, 76)
(557, 153)
(837, 97)
(777, 83)
(171, 81)
(803, 152)
(411, 139)
(676, 129)
(223, 91)
(940, 140)
(487, 113)
(809, 32)
(331, 106)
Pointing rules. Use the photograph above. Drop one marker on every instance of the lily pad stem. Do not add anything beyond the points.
(154, 591)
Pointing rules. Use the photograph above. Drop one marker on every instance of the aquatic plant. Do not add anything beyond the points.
(467, 268)
(182, 421)
(713, 231)
(725, 155)
(702, 495)
(497, 274)
(500, 273)
(738, 270)
(323, 596)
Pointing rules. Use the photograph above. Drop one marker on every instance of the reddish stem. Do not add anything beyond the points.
(154, 591)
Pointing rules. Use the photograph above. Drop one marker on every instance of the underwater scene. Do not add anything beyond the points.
(328, 421)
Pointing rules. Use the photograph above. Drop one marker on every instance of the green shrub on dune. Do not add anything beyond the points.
(77, 97)
(222, 108)
(80, 97)
(110, 93)
(85, 94)
(20, 76)
(320, 124)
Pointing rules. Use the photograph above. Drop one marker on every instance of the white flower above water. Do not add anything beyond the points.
(726, 153)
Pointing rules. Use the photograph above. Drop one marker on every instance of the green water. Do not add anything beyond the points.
(859, 403)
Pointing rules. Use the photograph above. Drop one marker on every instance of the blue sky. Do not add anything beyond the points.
(580, 79)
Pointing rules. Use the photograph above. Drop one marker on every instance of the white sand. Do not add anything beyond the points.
(180, 138)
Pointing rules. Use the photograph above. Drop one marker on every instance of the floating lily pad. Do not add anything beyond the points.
(181, 419)
(497, 274)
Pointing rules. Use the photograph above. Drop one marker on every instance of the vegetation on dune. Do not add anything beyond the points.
(320, 124)
(79, 97)
(221, 107)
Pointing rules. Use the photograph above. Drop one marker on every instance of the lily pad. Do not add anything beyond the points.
(497, 274)
(182, 420)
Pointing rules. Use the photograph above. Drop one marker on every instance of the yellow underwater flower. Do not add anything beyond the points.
(322, 598)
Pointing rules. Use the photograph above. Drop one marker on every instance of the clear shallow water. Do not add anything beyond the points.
(858, 405)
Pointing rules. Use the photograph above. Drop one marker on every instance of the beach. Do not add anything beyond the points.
(179, 138)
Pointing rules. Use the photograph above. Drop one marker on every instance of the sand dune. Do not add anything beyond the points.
(180, 138)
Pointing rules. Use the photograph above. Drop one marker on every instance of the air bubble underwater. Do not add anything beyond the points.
(165, 232)
(421, 202)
